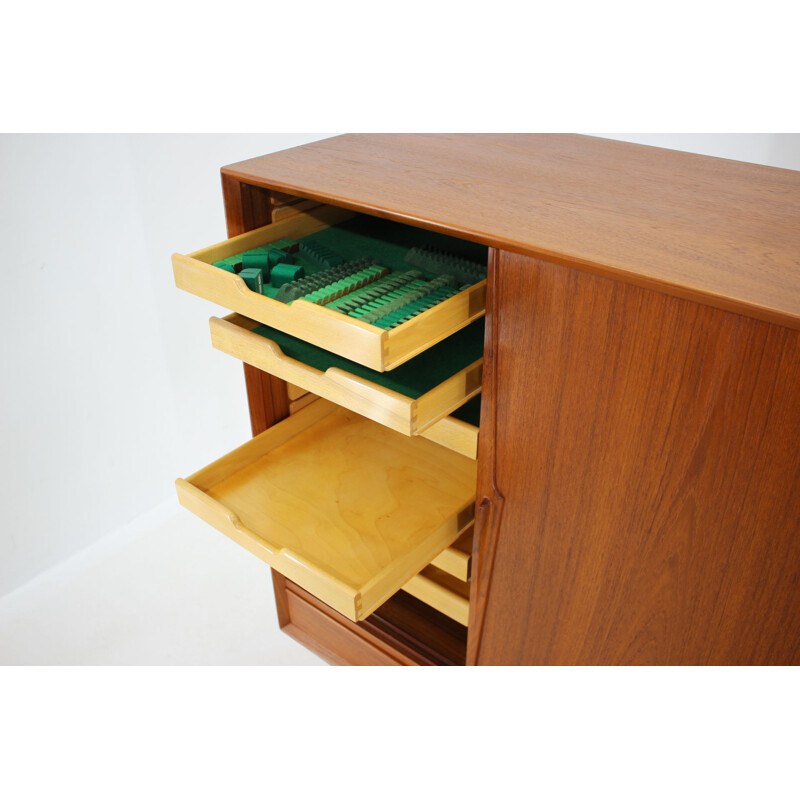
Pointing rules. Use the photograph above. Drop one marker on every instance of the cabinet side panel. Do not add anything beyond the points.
(646, 448)
(246, 207)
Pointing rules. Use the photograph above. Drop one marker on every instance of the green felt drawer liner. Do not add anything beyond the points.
(388, 242)
(470, 412)
(412, 379)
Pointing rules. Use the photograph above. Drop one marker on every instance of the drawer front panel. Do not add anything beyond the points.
(456, 560)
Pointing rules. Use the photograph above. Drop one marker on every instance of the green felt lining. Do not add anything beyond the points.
(470, 412)
(364, 236)
(388, 242)
(412, 379)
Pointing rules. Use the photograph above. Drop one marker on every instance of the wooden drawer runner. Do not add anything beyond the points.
(457, 559)
(341, 505)
(409, 400)
(441, 591)
(294, 392)
(358, 341)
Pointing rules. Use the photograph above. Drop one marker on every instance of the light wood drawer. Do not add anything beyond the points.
(409, 399)
(451, 432)
(457, 559)
(294, 392)
(441, 591)
(334, 642)
(301, 402)
(363, 343)
(455, 434)
(344, 507)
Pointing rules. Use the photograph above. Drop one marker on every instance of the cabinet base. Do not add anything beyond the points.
(402, 632)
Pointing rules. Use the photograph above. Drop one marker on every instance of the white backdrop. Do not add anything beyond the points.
(110, 386)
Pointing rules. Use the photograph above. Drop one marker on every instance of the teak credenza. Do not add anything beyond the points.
(632, 492)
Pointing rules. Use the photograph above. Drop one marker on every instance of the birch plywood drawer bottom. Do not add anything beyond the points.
(344, 507)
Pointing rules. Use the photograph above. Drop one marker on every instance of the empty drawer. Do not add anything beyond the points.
(359, 341)
(341, 505)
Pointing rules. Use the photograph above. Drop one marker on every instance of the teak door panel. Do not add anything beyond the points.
(638, 493)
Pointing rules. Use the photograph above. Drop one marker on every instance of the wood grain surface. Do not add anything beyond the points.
(403, 631)
(441, 590)
(312, 625)
(343, 506)
(647, 450)
(246, 206)
(266, 397)
(721, 231)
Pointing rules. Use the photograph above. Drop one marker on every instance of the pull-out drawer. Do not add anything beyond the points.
(365, 343)
(409, 399)
(344, 507)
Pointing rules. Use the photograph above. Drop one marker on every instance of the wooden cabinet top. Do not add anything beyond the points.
(722, 232)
